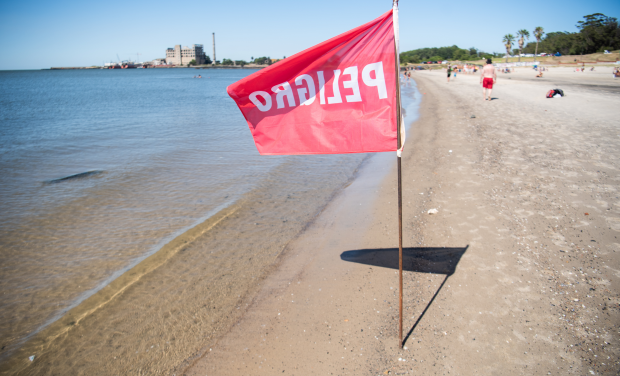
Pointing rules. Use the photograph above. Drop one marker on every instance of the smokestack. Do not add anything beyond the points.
(213, 62)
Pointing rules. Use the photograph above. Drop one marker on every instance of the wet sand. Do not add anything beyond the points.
(158, 315)
(526, 190)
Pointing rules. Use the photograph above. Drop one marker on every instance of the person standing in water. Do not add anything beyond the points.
(487, 79)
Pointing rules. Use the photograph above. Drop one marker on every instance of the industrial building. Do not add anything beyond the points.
(183, 55)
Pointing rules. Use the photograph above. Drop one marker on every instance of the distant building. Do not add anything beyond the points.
(158, 62)
(182, 56)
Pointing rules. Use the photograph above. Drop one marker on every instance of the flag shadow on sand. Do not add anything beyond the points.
(440, 260)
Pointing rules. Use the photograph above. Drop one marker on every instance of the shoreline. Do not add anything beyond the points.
(500, 280)
(163, 262)
(250, 66)
(97, 304)
(280, 334)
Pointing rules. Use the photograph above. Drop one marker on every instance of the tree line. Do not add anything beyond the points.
(597, 33)
(443, 53)
(264, 60)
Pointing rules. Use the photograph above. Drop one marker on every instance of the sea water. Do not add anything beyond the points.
(101, 168)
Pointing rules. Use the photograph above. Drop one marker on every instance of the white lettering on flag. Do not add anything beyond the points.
(352, 84)
(378, 81)
(266, 97)
(284, 90)
(321, 87)
(303, 100)
(336, 98)
(307, 94)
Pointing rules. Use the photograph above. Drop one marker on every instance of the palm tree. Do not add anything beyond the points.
(508, 41)
(538, 33)
(524, 35)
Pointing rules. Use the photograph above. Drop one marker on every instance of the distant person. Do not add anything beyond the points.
(199, 76)
(487, 79)
(540, 73)
(449, 72)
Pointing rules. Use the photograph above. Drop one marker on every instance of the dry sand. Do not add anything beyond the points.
(518, 273)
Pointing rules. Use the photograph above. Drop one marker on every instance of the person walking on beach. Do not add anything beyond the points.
(487, 79)
(449, 72)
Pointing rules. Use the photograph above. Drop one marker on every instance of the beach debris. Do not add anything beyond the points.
(449, 151)
(31, 358)
(555, 93)
(586, 213)
(473, 116)
(433, 211)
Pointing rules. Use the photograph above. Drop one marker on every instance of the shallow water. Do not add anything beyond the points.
(147, 155)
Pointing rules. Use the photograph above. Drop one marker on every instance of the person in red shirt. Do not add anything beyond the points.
(487, 79)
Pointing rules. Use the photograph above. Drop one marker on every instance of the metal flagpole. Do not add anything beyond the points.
(400, 190)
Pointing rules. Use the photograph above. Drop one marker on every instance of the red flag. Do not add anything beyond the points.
(336, 97)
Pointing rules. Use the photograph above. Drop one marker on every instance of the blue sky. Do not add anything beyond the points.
(38, 34)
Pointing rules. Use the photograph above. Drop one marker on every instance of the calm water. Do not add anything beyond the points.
(166, 150)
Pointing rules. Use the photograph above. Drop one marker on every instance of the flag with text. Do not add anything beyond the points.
(336, 97)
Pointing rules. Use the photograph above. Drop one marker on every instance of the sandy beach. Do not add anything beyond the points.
(517, 273)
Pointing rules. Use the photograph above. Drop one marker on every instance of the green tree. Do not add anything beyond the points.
(508, 40)
(426, 54)
(193, 62)
(241, 62)
(227, 62)
(523, 36)
(598, 32)
(460, 54)
(265, 60)
(538, 34)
